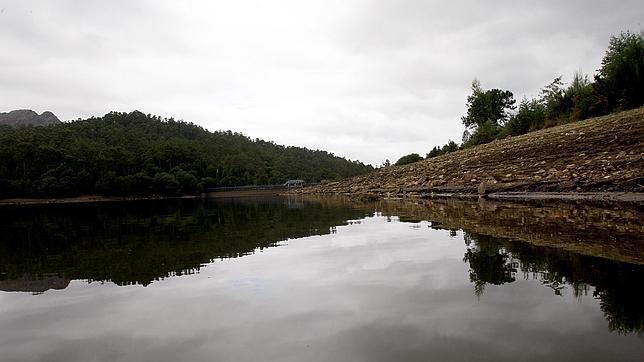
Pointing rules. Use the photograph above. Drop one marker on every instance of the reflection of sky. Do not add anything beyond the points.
(375, 291)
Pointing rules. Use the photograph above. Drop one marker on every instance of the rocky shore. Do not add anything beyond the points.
(598, 155)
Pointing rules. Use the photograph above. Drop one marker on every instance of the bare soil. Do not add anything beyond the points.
(604, 154)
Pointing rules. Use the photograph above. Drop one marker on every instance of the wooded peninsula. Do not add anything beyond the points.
(137, 154)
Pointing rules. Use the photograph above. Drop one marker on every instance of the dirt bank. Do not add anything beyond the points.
(595, 155)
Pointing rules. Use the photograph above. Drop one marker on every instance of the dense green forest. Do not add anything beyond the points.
(134, 153)
(618, 85)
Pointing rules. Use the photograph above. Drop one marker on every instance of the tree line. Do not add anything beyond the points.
(493, 114)
(138, 154)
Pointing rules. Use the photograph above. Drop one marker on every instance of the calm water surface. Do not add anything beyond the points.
(282, 279)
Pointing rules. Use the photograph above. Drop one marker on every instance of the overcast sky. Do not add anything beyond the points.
(367, 80)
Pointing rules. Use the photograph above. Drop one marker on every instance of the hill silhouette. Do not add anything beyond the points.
(138, 154)
(27, 117)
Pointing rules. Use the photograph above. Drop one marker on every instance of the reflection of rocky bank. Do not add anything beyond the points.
(616, 285)
(34, 285)
(614, 232)
(575, 245)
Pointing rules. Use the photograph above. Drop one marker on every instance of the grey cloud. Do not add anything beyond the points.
(365, 79)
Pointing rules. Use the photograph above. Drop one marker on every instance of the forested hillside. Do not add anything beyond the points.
(135, 154)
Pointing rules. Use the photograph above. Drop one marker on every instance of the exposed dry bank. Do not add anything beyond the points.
(598, 154)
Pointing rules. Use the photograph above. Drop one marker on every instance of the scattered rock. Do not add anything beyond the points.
(482, 189)
(595, 163)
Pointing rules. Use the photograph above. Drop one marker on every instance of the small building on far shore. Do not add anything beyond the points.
(294, 183)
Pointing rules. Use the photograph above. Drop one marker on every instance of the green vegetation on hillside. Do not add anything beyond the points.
(617, 86)
(410, 158)
(450, 146)
(131, 153)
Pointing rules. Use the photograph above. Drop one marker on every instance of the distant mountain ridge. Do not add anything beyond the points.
(27, 117)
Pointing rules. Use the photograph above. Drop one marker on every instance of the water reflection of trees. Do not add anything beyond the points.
(140, 242)
(489, 263)
(617, 285)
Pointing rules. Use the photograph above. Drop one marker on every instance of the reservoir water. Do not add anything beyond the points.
(294, 279)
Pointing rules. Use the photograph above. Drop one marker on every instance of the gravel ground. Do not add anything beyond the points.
(604, 154)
